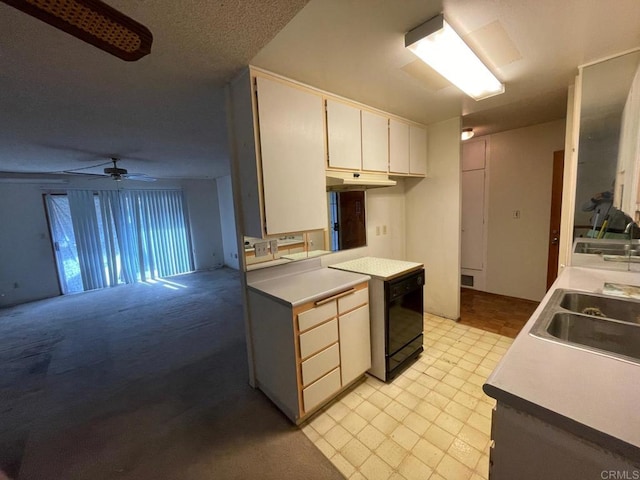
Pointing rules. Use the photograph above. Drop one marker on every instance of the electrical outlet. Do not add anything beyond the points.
(378, 230)
(516, 214)
(273, 246)
(262, 249)
(384, 229)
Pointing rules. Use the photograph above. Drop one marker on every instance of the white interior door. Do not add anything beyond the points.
(472, 219)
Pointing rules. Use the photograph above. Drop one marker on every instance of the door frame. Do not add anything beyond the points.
(555, 217)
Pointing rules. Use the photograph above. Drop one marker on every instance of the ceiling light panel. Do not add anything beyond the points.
(438, 45)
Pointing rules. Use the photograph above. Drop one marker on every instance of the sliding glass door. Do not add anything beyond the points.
(64, 243)
(109, 237)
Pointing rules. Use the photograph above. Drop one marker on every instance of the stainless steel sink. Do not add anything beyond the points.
(621, 247)
(597, 323)
(601, 334)
(601, 306)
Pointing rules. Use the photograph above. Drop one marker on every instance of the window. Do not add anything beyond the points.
(109, 237)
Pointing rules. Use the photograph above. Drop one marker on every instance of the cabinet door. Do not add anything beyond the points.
(355, 344)
(375, 142)
(292, 152)
(343, 133)
(417, 150)
(398, 147)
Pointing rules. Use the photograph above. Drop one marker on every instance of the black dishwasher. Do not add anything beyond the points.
(404, 321)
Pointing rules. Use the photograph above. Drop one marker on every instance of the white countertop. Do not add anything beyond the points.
(383, 268)
(299, 288)
(595, 396)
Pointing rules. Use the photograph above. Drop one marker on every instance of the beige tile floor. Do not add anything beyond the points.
(431, 423)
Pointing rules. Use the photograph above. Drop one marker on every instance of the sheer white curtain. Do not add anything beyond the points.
(128, 236)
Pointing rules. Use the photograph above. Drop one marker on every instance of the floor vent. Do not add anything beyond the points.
(467, 280)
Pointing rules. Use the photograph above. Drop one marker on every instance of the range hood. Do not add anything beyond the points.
(357, 180)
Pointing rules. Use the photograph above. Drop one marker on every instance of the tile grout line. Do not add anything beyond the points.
(371, 398)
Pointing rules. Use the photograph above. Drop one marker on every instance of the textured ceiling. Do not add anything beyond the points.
(356, 49)
(65, 104)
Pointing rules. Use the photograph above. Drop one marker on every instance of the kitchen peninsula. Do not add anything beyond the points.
(310, 333)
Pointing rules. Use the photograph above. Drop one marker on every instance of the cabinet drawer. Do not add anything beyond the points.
(320, 337)
(319, 364)
(349, 302)
(315, 394)
(313, 317)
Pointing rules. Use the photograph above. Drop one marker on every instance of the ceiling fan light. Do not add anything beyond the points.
(440, 47)
(94, 22)
(466, 134)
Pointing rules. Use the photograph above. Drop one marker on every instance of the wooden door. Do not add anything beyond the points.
(351, 215)
(554, 222)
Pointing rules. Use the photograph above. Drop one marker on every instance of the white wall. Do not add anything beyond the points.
(26, 255)
(27, 264)
(433, 208)
(227, 222)
(520, 164)
(386, 209)
(204, 220)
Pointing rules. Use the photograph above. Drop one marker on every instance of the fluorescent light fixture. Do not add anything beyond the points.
(466, 134)
(440, 47)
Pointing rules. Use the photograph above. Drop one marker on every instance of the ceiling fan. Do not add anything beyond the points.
(114, 172)
(117, 173)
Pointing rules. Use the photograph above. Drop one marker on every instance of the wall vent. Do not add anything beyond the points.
(467, 280)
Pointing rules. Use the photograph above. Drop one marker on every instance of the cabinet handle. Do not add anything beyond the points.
(335, 297)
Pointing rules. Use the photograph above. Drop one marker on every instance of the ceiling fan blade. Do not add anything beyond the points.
(140, 177)
(82, 174)
(95, 22)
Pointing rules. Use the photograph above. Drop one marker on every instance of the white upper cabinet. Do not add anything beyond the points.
(375, 142)
(344, 136)
(292, 154)
(417, 150)
(398, 146)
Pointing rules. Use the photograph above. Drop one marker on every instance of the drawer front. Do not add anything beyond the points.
(320, 337)
(313, 317)
(315, 394)
(349, 302)
(319, 364)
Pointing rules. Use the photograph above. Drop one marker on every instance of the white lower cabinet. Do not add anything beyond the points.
(355, 343)
(305, 355)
